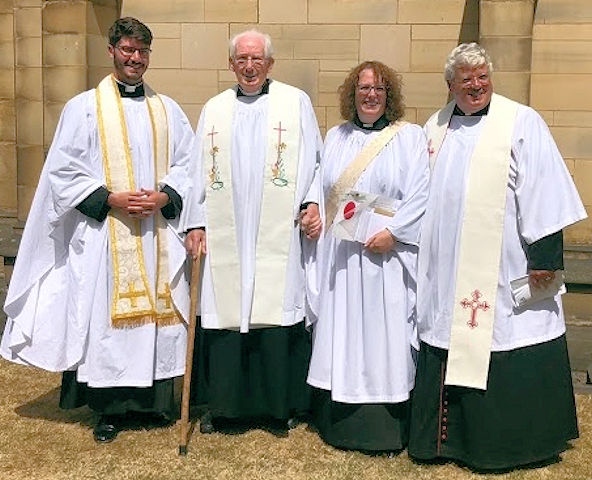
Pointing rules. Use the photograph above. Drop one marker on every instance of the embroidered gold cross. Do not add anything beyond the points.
(132, 294)
(166, 296)
(280, 130)
(278, 167)
(211, 135)
(214, 174)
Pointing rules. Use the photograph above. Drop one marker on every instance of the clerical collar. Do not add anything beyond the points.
(263, 91)
(126, 90)
(480, 113)
(379, 124)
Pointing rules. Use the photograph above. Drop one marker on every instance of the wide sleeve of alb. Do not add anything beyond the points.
(74, 166)
(195, 214)
(547, 199)
(182, 151)
(412, 156)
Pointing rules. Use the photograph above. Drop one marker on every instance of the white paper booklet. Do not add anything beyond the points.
(361, 215)
(523, 295)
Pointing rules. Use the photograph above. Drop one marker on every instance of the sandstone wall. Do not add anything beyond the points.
(52, 49)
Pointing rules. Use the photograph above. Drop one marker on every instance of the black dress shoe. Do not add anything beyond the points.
(278, 428)
(206, 423)
(105, 430)
(297, 419)
(293, 422)
(161, 420)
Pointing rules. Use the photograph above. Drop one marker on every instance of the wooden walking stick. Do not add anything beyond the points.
(194, 298)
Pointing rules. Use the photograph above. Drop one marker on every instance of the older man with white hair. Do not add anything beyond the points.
(493, 387)
(256, 202)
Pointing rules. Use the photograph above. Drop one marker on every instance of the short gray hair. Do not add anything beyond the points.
(267, 49)
(466, 54)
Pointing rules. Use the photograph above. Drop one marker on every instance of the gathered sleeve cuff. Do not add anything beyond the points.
(546, 253)
(173, 208)
(95, 205)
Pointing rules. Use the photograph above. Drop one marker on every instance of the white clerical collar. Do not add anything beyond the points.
(262, 91)
(377, 125)
(127, 88)
(480, 113)
(250, 94)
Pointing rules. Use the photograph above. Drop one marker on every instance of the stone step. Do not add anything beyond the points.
(577, 306)
(578, 264)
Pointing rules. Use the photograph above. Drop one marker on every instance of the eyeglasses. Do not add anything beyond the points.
(244, 60)
(129, 51)
(378, 89)
(470, 80)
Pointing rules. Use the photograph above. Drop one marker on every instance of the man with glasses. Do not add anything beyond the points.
(256, 203)
(493, 387)
(99, 290)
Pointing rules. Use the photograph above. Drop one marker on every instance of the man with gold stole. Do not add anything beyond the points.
(256, 202)
(99, 289)
(493, 387)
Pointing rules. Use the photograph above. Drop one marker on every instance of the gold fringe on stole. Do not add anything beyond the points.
(166, 314)
(133, 303)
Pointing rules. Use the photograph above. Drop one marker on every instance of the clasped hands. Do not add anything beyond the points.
(143, 203)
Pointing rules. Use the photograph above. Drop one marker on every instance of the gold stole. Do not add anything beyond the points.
(133, 302)
(480, 243)
(352, 172)
(276, 223)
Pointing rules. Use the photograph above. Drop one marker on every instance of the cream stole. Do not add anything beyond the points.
(133, 302)
(352, 172)
(276, 224)
(481, 242)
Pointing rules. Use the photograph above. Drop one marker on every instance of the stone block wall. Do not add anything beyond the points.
(52, 49)
(48, 53)
(316, 42)
(8, 105)
(560, 90)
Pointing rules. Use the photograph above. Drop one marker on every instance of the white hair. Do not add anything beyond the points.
(267, 47)
(466, 54)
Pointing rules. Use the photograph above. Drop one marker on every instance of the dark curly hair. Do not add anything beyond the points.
(129, 27)
(395, 109)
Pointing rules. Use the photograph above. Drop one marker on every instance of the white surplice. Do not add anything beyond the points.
(541, 199)
(60, 294)
(365, 333)
(249, 147)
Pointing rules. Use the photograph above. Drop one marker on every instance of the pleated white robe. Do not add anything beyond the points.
(365, 333)
(59, 299)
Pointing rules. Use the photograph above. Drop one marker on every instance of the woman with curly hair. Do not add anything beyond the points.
(364, 336)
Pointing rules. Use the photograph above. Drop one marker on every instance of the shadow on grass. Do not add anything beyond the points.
(46, 407)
